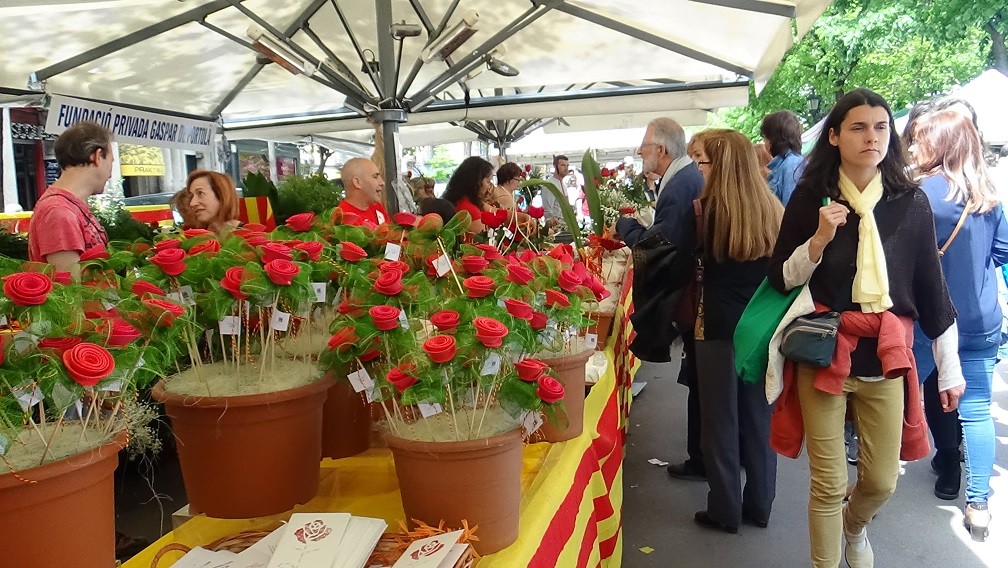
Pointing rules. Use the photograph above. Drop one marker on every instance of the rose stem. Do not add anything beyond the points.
(451, 402)
(450, 266)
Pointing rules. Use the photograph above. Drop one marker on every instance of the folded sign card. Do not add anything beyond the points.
(312, 540)
(440, 551)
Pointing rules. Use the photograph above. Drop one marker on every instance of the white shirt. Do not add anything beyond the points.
(673, 169)
(550, 202)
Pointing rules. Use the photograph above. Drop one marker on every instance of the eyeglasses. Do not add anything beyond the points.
(703, 162)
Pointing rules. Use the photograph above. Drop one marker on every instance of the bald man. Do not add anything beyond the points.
(362, 187)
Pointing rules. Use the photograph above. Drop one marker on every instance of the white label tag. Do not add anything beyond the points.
(362, 382)
(428, 410)
(591, 340)
(280, 320)
(442, 265)
(27, 395)
(108, 305)
(320, 291)
(531, 421)
(392, 251)
(23, 342)
(115, 386)
(492, 365)
(403, 320)
(4, 444)
(188, 297)
(355, 381)
(501, 304)
(3, 320)
(175, 297)
(229, 325)
(508, 234)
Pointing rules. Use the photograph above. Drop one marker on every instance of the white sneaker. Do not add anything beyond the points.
(857, 548)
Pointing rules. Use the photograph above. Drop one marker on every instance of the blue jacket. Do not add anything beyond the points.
(784, 175)
(672, 211)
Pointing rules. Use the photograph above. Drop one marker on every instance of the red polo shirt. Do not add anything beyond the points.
(375, 214)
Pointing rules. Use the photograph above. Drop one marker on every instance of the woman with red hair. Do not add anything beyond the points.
(209, 201)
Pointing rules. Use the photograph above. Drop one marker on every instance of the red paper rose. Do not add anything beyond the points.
(440, 348)
(394, 265)
(518, 309)
(27, 288)
(627, 210)
(538, 320)
(431, 222)
(119, 333)
(281, 271)
(400, 379)
(445, 320)
(490, 252)
(350, 308)
(312, 249)
(490, 219)
(193, 233)
(94, 253)
(474, 264)
(163, 311)
(256, 240)
(275, 251)
(170, 261)
(489, 331)
(569, 280)
(300, 222)
(529, 370)
(478, 286)
(606, 172)
(406, 219)
(370, 355)
(209, 246)
(167, 244)
(58, 344)
(87, 363)
(550, 390)
(351, 252)
(343, 339)
(536, 212)
(232, 282)
(385, 318)
(61, 278)
(255, 227)
(389, 283)
(557, 299)
(519, 274)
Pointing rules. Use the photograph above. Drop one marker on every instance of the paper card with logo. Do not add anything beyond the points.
(312, 540)
(441, 551)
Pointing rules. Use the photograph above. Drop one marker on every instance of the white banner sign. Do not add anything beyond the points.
(133, 126)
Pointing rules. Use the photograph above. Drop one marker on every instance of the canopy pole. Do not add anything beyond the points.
(389, 114)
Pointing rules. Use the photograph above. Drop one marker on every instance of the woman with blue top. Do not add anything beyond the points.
(781, 134)
(947, 158)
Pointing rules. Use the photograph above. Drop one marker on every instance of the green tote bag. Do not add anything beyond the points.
(760, 319)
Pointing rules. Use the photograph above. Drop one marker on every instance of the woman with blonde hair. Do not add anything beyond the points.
(947, 158)
(209, 201)
(738, 227)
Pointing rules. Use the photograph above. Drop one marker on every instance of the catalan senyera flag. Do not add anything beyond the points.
(256, 210)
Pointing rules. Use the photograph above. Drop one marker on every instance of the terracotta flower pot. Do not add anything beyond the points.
(346, 421)
(570, 371)
(602, 327)
(248, 456)
(61, 513)
(475, 480)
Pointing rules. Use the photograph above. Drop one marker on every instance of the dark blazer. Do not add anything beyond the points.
(672, 211)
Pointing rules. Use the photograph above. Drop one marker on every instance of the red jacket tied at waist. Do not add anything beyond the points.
(895, 341)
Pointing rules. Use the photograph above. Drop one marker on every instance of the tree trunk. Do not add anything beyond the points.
(324, 154)
(999, 55)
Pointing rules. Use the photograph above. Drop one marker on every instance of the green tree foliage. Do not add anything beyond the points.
(314, 193)
(441, 165)
(905, 50)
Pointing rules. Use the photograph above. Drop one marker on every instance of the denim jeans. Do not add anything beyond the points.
(977, 424)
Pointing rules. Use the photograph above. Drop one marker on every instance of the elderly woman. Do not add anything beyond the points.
(209, 201)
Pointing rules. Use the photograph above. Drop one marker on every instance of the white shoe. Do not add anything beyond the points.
(857, 548)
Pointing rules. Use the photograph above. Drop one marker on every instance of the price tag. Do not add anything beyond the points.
(591, 340)
(175, 297)
(403, 320)
(27, 395)
(531, 421)
(280, 320)
(114, 386)
(229, 325)
(500, 303)
(188, 297)
(368, 382)
(442, 265)
(392, 251)
(508, 234)
(428, 410)
(355, 381)
(4, 444)
(320, 291)
(492, 365)
(108, 305)
(3, 320)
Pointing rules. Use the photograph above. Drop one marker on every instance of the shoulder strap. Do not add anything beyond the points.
(962, 220)
(698, 212)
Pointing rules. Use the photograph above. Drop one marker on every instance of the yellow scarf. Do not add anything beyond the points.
(871, 280)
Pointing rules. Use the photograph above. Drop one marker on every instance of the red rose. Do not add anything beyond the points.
(343, 339)
(232, 282)
(606, 172)
(119, 333)
(406, 219)
(431, 222)
(556, 299)
(61, 278)
(478, 286)
(59, 344)
(257, 240)
(597, 287)
(349, 308)
(474, 264)
(490, 252)
(627, 210)
(94, 253)
(529, 370)
(87, 363)
(538, 320)
(370, 355)
(621, 167)
(209, 245)
(536, 212)
(440, 348)
(275, 251)
(400, 379)
(394, 265)
(489, 331)
(385, 318)
(550, 390)
(163, 311)
(569, 280)
(167, 244)
(563, 253)
(445, 320)
(27, 288)
(351, 252)
(311, 249)
(518, 309)
(490, 219)
(281, 271)
(519, 274)
(389, 283)
(193, 233)
(255, 227)
(300, 222)
(169, 260)
(528, 168)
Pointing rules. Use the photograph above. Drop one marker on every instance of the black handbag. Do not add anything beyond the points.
(811, 339)
(661, 273)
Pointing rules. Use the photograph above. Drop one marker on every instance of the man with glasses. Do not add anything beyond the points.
(663, 151)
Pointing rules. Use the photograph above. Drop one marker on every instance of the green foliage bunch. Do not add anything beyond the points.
(300, 194)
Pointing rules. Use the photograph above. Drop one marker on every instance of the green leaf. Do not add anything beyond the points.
(593, 177)
(570, 217)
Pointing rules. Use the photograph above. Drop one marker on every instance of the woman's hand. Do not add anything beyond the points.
(950, 397)
(831, 216)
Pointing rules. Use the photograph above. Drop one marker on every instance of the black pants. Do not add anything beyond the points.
(944, 426)
(688, 377)
(736, 435)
